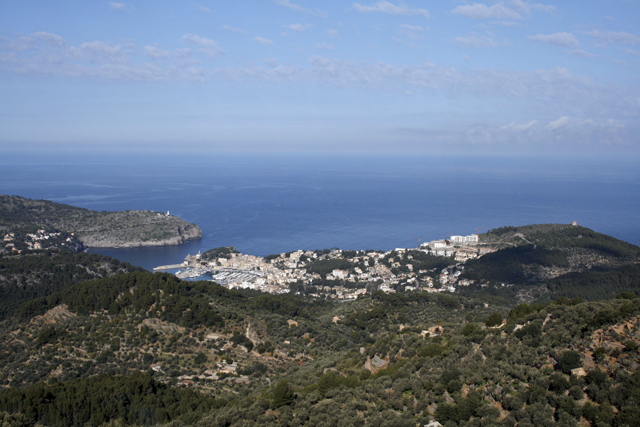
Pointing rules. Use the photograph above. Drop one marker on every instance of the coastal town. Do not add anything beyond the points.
(434, 266)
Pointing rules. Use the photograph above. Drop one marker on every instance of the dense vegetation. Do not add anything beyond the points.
(137, 399)
(558, 236)
(418, 260)
(42, 273)
(465, 375)
(175, 301)
(214, 254)
(508, 265)
(594, 285)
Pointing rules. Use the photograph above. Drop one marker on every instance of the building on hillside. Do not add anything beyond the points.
(465, 240)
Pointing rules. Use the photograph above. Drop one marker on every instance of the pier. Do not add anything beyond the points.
(170, 267)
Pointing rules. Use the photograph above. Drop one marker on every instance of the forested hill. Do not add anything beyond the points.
(546, 261)
(559, 236)
(94, 229)
(36, 274)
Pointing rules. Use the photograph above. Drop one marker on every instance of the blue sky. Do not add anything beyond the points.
(442, 76)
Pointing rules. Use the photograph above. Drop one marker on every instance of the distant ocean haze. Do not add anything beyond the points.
(265, 204)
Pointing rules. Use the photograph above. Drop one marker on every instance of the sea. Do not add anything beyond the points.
(269, 203)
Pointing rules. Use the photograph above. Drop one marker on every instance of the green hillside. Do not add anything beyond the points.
(42, 273)
(560, 236)
(289, 360)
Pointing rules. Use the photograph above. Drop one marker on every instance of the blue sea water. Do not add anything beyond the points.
(273, 203)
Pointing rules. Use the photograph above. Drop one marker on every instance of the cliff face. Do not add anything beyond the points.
(134, 229)
(121, 239)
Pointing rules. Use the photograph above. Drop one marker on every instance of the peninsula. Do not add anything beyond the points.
(35, 224)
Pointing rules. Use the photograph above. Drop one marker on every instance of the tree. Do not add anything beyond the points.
(495, 319)
(282, 394)
(569, 360)
(13, 420)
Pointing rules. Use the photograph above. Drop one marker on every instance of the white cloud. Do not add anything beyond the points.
(21, 43)
(566, 131)
(631, 51)
(612, 37)
(296, 27)
(482, 11)
(297, 7)
(202, 8)
(558, 39)
(391, 9)
(412, 28)
(579, 53)
(525, 127)
(120, 6)
(50, 38)
(209, 47)
(526, 7)
(183, 53)
(508, 134)
(98, 50)
(232, 29)
(263, 41)
(412, 32)
(505, 23)
(325, 46)
(271, 62)
(273, 74)
(620, 62)
(479, 41)
(332, 33)
(183, 57)
(555, 90)
(561, 123)
(586, 132)
(156, 52)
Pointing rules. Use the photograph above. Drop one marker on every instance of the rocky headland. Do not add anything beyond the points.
(21, 218)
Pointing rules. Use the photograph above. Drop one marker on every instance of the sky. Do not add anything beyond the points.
(411, 76)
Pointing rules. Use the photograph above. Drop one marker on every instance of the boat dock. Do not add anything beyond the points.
(170, 267)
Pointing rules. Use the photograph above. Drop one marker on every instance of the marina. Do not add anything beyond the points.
(221, 275)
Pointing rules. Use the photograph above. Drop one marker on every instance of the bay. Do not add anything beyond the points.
(264, 203)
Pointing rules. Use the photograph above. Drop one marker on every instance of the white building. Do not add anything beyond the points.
(465, 240)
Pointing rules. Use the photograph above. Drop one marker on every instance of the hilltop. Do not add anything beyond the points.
(569, 237)
(22, 218)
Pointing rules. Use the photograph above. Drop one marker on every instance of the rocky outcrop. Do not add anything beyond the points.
(159, 231)
(57, 314)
